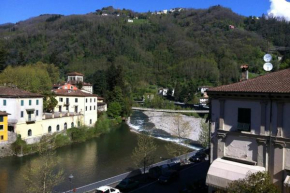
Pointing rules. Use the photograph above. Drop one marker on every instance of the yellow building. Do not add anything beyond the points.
(3, 126)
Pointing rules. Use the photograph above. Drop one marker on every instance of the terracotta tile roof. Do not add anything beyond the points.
(3, 113)
(9, 92)
(75, 74)
(78, 93)
(274, 82)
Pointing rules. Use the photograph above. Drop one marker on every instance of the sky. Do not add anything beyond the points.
(12, 11)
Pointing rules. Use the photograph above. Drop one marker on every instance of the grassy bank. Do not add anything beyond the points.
(66, 137)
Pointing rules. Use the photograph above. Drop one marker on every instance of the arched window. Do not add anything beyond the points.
(57, 128)
(29, 132)
(72, 124)
(49, 129)
(65, 126)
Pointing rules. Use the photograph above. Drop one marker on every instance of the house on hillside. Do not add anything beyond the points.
(77, 79)
(250, 130)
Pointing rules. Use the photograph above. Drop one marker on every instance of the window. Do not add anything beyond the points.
(244, 119)
(30, 102)
(36, 112)
(90, 121)
(4, 102)
(1, 127)
(86, 108)
(1, 118)
(94, 99)
(37, 102)
(57, 127)
(29, 132)
(22, 102)
(66, 108)
(65, 126)
(2, 137)
(72, 124)
(60, 99)
(76, 100)
(86, 100)
(79, 123)
(49, 129)
(90, 108)
(94, 107)
(21, 114)
(90, 100)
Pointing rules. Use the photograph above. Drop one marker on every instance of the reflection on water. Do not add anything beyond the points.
(94, 160)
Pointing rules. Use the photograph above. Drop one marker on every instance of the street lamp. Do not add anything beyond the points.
(70, 180)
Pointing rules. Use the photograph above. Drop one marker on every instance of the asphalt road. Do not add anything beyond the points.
(186, 176)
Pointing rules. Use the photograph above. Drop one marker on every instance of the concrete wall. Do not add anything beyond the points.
(40, 128)
(241, 148)
(231, 114)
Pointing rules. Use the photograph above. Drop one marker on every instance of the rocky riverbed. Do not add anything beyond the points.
(168, 123)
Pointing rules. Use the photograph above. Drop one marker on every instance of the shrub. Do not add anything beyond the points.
(62, 140)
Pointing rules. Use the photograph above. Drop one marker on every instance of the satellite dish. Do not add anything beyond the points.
(267, 57)
(268, 67)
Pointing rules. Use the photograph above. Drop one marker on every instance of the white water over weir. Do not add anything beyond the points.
(170, 110)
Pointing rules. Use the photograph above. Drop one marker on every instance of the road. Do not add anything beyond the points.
(187, 176)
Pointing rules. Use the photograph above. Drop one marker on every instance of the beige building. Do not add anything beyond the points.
(250, 130)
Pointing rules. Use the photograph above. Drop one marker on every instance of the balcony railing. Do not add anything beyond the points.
(30, 120)
(244, 126)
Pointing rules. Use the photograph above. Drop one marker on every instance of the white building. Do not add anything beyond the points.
(250, 130)
(28, 120)
(130, 20)
(76, 78)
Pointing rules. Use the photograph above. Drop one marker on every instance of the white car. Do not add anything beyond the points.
(107, 189)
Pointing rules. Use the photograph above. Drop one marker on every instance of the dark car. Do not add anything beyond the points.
(155, 172)
(127, 184)
(198, 157)
(168, 176)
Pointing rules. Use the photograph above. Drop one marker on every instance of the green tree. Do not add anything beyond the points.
(181, 130)
(203, 138)
(259, 182)
(143, 153)
(49, 102)
(42, 176)
(114, 109)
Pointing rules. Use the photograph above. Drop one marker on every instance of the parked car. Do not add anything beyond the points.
(157, 171)
(107, 189)
(168, 176)
(198, 157)
(127, 184)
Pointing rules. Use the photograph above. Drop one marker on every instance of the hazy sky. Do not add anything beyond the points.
(17, 10)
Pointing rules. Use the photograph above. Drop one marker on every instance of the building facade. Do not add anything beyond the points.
(26, 116)
(250, 130)
(3, 126)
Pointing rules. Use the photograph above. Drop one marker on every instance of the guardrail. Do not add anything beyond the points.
(118, 178)
(170, 110)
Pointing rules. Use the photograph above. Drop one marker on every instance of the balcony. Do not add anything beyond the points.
(30, 120)
(66, 104)
(244, 126)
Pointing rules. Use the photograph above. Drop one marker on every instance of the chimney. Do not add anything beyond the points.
(245, 72)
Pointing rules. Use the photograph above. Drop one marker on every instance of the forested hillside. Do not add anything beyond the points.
(186, 48)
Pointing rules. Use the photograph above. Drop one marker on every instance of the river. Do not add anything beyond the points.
(93, 160)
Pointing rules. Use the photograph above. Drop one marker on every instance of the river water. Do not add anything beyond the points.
(91, 161)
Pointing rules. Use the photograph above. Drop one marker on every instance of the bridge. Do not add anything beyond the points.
(170, 110)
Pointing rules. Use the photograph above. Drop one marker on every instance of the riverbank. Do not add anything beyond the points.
(164, 126)
(169, 123)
